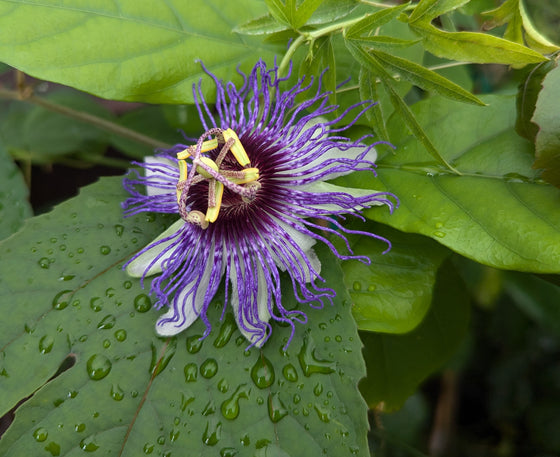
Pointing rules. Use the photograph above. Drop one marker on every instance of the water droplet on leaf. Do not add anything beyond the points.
(40, 434)
(191, 372)
(213, 433)
(209, 368)
(262, 373)
(105, 250)
(276, 409)
(142, 303)
(107, 323)
(98, 366)
(46, 344)
(230, 407)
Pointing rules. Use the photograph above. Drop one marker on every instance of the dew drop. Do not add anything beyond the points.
(371, 288)
(226, 330)
(356, 286)
(262, 373)
(105, 250)
(322, 414)
(318, 389)
(53, 448)
(290, 372)
(439, 234)
(191, 372)
(117, 393)
(46, 344)
(127, 284)
(98, 366)
(158, 364)
(209, 409)
(161, 440)
(119, 229)
(142, 303)
(120, 335)
(296, 399)
(107, 323)
(213, 433)
(276, 409)
(66, 277)
(174, 435)
(148, 448)
(106, 344)
(245, 440)
(209, 368)
(44, 263)
(88, 444)
(96, 304)
(230, 407)
(309, 362)
(110, 292)
(223, 385)
(40, 434)
(228, 452)
(79, 427)
(194, 343)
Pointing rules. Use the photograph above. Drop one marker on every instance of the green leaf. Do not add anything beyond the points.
(527, 96)
(35, 133)
(137, 52)
(535, 40)
(497, 211)
(127, 392)
(538, 298)
(320, 57)
(290, 13)
(375, 115)
(394, 292)
(367, 25)
(474, 47)
(366, 59)
(426, 10)
(14, 207)
(426, 79)
(384, 43)
(396, 364)
(260, 26)
(547, 118)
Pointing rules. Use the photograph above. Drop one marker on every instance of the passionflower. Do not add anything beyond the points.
(252, 198)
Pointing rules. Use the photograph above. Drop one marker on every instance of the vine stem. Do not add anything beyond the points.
(85, 117)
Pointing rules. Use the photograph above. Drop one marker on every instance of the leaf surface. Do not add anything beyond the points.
(126, 50)
(129, 392)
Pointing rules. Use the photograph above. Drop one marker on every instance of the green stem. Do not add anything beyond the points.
(289, 54)
(99, 122)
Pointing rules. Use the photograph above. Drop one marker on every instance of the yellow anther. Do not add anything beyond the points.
(208, 162)
(237, 149)
(249, 175)
(213, 211)
(183, 172)
(206, 146)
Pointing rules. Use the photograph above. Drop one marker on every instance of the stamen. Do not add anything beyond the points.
(242, 182)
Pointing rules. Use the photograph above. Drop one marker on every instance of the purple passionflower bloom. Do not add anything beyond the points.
(253, 199)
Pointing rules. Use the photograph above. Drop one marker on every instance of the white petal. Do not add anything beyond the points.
(137, 268)
(321, 187)
(305, 242)
(184, 313)
(149, 173)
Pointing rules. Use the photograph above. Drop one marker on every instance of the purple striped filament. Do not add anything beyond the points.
(252, 207)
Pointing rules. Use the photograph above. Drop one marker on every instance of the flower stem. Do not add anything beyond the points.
(99, 122)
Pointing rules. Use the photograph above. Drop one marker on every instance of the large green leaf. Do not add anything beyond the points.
(426, 10)
(497, 212)
(14, 207)
(396, 364)
(394, 292)
(291, 12)
(129, 50)
(64, 296)
(547, 117)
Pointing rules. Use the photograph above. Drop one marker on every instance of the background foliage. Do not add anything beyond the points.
(477, 177)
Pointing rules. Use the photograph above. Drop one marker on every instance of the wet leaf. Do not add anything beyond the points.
(128, 392)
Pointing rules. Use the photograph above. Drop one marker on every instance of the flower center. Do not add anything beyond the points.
(243, 182)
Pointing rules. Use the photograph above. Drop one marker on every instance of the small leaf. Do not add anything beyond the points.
(377, 289)
(426, 10)
(547, 117)
(368, 91)
(289, 13)
(396, 364)
(527, 97)
(14, 207)
(426, 79)
(321, 57)
(263, 25)
(474, 47)
(368, 25)
(384, 43)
